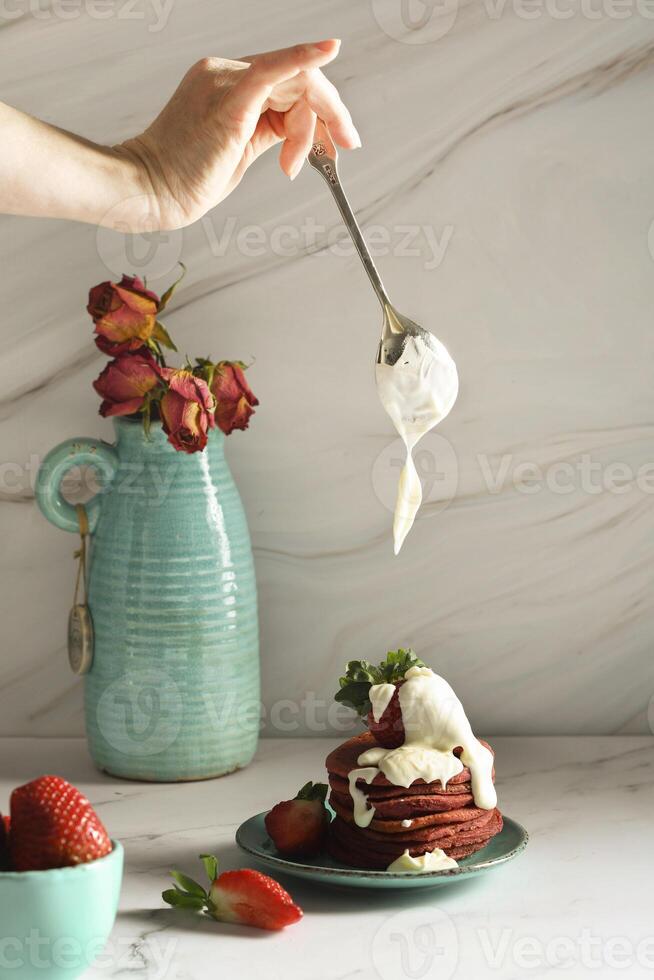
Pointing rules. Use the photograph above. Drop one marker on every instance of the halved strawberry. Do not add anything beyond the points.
(299, 826)
(244, 896)
(252, 898)
(360, 676)
(53, 826)
(5, 863)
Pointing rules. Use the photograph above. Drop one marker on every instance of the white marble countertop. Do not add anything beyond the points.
(578, 901)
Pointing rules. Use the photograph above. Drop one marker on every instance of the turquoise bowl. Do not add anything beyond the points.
(54, 923)
(173, 690)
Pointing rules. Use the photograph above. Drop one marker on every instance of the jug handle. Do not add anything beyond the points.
(61, 459)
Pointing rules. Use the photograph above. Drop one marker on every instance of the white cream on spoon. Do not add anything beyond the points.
(418, 391)
(416, 377)
(434, 724)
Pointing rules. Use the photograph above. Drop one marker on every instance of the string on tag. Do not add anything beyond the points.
(80, 554)
(80, 624)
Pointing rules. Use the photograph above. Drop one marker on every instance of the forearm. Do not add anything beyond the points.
(47, 172)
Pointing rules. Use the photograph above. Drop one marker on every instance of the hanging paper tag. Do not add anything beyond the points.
(80, 639)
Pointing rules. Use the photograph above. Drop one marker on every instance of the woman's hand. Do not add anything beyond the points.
(222, 117)
(227, 113)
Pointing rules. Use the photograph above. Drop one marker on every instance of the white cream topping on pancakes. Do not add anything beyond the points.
(417, 392)
(436, 860)
(435, 724)
(363, 814)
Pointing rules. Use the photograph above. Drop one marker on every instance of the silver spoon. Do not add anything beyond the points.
(396, 328)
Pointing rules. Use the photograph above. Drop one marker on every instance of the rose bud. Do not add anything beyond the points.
(186, 410)
(125, 314)
(125, 381)
(234, 399)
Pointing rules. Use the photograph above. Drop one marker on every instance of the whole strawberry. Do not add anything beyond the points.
(245, 896)
(360, 676)
(298, 827)
(53, 826)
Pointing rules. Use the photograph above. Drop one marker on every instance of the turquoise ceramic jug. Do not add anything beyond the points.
(173, 688)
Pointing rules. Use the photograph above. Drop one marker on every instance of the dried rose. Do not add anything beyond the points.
(124, 313)
(186, 410)
(234, 399)
(125, 382)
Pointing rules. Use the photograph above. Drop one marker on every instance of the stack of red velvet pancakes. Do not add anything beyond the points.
(418, 818)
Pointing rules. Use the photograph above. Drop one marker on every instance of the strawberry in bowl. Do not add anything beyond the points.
(61, 876)
(54, 826)
(386, 723)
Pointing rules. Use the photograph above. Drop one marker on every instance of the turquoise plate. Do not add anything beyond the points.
(252, 838)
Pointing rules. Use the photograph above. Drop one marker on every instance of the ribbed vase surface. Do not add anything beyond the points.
(173, 691)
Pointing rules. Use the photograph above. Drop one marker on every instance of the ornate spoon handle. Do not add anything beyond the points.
(322, 157)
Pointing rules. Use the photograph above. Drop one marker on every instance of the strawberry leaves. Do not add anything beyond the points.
(313, 791)
(210, 866)
(360, 675)
(181, 900)
(188, 893)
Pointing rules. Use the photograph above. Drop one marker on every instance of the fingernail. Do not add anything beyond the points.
(356, 138)
(296, 169)
(326, 45)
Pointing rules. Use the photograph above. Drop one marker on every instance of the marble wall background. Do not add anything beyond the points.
(512, 141)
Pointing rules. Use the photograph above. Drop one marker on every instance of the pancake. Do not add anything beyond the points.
(441, 816)
(419, 820)
(407, 807)
(373, 862)
(419, 789)
(380, 831)
(344, 759)
(347, 844)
